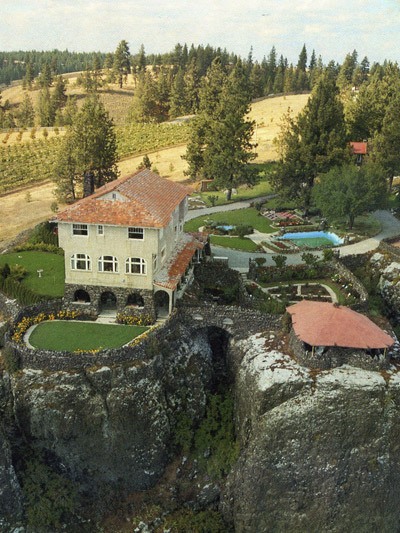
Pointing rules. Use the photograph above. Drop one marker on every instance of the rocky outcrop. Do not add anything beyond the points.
(109, 427)
(320, 448)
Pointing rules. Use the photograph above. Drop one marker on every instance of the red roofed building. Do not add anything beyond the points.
(359, 149)
(322, 326)
(124, 245)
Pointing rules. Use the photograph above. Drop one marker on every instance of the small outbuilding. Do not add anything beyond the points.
(328, 335)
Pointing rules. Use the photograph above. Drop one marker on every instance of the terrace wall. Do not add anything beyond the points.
(236, 321)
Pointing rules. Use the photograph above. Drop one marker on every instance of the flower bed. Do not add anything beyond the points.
(135, 320)
(27, 321)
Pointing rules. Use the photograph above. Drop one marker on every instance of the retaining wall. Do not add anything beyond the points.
(236, 321)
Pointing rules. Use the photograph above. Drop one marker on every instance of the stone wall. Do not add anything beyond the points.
(335, 356)
(386, 247)
(95, 292)
(340, 268)
(236, 321)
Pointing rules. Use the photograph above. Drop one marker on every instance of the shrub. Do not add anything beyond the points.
(12, 361)
(51, 498)
(215, 445)
(328, 254)
(212, 198)
(243, 230)
(279, 260)
(44, 233)
(17, 273)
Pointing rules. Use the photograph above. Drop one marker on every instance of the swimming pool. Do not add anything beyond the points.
(313, 238)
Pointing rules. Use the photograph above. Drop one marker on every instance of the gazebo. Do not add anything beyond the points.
(323, 325)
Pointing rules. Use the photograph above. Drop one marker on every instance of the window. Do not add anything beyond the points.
(80, 229)
(80, 262)
(108, 263)
(100, 230)
(135, 265)
(136, 233)
(163, 254)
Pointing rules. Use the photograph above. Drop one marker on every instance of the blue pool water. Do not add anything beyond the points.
(226, 228)
(335, 240)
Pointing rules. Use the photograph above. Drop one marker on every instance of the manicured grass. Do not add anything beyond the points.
(51, 282)
(71, 336)
(249, 217)
(237, 243)
(366, 225)
(243, 193)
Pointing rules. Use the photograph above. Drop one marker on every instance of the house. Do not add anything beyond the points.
(359, 150)
(125, 246)
(331, 334)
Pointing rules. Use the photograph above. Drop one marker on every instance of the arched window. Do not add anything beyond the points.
(108, 263)
(135, 265)
(80, 262)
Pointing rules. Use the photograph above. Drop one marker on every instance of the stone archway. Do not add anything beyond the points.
(162, 303)
(108, 301)
(135, 300)
(81, 296)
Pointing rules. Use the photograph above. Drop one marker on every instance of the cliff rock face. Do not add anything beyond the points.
(104, 426)
(320, 449)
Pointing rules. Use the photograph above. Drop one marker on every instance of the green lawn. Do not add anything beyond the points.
(245, 244)
(249, 217)
(51, 282)
(243, 193)
(71, 336)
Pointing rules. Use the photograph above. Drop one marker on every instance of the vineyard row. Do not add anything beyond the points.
(32, 162)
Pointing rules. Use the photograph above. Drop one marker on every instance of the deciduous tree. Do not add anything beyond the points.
(349, 191)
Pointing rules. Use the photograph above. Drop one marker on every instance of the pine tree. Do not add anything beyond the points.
(220, 146)
(312, 143)
(89, 152)
(45, 109)
(178, 103)
(385, 145)
(26, 113)
(122, 63)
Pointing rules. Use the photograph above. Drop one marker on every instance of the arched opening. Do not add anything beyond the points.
(161, 301)
(108, 301)
(135, 300)
(81, 296)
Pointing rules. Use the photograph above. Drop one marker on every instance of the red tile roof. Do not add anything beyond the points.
(171, 273)
(359, 147)
(149, 201)
(326, 324)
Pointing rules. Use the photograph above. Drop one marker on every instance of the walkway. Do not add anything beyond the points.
(240, 260)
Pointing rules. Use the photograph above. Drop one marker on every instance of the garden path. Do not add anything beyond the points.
(330, 291)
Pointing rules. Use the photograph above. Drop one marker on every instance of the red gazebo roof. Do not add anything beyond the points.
(326, 324)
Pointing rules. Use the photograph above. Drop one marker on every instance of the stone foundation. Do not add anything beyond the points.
(121, 299)
(335, 356)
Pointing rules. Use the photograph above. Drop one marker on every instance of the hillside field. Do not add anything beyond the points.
(17, 213)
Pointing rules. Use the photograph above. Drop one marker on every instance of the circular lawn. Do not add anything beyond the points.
(71, 336)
